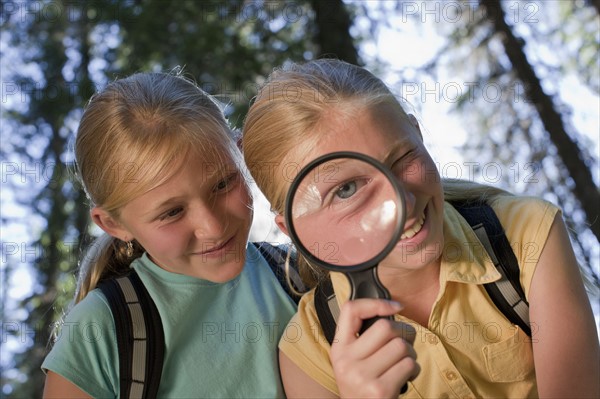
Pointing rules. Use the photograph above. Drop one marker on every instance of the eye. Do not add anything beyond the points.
(346, 190)
(227, 183)
(171, 214)
(401, 163)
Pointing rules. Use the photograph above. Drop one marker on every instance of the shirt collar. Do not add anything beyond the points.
(464, 259)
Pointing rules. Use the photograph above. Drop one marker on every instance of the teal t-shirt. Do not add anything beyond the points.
(220, 338)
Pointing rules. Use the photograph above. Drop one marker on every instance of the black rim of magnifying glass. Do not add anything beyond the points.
(399, 222)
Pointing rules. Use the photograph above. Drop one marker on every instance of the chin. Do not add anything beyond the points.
(229, 271)
(412, 257)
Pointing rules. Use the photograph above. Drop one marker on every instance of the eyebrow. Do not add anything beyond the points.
(168, 202)
(219, 170)
(210, 177)
(157, 210)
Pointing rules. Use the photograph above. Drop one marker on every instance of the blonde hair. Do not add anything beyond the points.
(132, 137)
(285, 116)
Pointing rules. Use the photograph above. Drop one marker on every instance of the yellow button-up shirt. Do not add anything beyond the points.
(469, 348)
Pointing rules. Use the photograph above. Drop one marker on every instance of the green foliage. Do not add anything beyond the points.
(56, 54)
(62, 52)
(227, 47)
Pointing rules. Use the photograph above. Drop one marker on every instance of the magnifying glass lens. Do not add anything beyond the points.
(345, 211)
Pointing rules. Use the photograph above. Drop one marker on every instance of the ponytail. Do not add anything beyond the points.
(468, 191)
(105, 258)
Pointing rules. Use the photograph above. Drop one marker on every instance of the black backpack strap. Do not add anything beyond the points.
(140, 336)
(506, 293)
(276, 256)
(327, 308)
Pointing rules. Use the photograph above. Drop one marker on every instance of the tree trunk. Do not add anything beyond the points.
(333, 30)
(596, 4)
(585, 189)
(55, 249)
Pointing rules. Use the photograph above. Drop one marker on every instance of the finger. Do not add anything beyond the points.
(379, 335)
(396, 329)
(405, 370)
(409, 334)
(388, 355)
(354, 312)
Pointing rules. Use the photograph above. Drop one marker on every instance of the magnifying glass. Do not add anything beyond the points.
(345, 212)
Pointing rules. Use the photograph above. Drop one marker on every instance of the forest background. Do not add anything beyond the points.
(507, 92)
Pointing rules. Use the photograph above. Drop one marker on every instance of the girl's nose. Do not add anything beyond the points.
(209, 223)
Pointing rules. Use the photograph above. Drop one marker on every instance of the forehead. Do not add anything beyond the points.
(202, 165)
(209, 163)
(372, 131)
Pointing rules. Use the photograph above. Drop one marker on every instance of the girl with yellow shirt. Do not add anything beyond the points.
(464, 346)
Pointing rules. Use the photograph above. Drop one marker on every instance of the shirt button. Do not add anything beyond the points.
(451, 375)
(433, 340)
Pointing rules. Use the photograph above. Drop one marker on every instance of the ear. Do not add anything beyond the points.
(280, 222)
(109, 224)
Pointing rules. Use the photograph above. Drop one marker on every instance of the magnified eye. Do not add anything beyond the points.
(346, 190)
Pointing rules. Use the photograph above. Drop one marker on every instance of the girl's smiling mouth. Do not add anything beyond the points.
(216, 249)
(415, 228)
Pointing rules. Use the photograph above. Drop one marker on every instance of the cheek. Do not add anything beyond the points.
(423, 173)
(164, 241)
(429, 171)
(239, 204)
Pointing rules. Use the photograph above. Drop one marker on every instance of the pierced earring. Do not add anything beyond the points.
(129, 249)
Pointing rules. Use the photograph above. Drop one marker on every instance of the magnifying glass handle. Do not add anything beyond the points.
(366, 284)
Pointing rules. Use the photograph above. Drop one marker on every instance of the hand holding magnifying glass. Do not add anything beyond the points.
(345, 212)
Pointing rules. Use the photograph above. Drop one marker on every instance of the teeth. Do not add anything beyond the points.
(414, 229)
